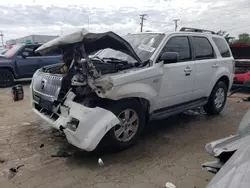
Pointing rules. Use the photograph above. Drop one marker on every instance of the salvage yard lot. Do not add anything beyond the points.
(169, 150)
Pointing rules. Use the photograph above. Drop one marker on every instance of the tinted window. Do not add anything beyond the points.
(222, 46)
(203, 48)
(180, 45)
(30, 51)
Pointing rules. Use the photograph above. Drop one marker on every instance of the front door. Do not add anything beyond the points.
(178, 78)
(28, 61)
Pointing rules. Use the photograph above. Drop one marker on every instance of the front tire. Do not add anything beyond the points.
(217, 99)
(132, 119)
(6, 78)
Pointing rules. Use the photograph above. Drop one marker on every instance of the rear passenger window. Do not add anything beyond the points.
(203, 48)
(180, 45)
(222, 46)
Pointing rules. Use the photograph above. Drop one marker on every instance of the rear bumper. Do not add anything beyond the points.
(93, 124)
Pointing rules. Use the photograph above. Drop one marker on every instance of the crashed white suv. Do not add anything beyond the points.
(140, 77)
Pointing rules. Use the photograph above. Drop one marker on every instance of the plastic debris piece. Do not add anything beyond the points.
(2, 160)
(169, 185)
(26, 123)
(13, 171)
(61, 154)
(41, 146)
(100, 162)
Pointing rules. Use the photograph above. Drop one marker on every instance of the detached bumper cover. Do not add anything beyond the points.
(228, 144)
(93, 124)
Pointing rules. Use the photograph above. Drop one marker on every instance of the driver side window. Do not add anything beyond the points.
(29, 51)
(179, 44)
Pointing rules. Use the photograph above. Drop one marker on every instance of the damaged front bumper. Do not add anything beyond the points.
(84, 127)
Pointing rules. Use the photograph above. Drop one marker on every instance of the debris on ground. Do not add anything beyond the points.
(13, 171)
(61, 154)
(59, 134)
(17, 92)
(169, 185)
(26, 123)
(2, 160)
(100, 162)
(41, 146)
(247, 99)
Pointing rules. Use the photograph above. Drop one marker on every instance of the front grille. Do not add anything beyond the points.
(47, 86)
(47, 113)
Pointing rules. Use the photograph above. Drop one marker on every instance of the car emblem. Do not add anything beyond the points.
(43, 83)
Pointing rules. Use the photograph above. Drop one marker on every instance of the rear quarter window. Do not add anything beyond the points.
(222, 47)
(203, 48)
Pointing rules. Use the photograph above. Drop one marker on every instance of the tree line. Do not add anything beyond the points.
(242, 38)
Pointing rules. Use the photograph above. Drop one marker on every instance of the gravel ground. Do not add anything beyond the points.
(171, 150)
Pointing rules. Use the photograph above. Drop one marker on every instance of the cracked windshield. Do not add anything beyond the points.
(124, 94)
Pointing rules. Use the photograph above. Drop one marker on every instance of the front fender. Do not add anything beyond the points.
(139, 90)
(143, 83)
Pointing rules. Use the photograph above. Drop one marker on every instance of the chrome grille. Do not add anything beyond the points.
(47, 86)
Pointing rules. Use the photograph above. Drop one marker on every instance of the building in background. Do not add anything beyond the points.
(31, 39)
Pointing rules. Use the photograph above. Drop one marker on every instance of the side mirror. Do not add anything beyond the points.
(24, 54)
(170, 57)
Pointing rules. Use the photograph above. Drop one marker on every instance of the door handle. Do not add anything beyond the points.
(187, 70)
(215, 65)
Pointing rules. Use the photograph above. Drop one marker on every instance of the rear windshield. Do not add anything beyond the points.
(222, 47)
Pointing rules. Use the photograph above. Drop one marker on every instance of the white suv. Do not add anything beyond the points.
(133, 79)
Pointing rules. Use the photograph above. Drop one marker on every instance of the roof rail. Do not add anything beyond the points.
(189, 29)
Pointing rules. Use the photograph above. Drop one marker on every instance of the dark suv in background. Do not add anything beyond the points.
(21, 61)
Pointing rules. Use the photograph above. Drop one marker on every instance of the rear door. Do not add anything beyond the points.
(205, 65)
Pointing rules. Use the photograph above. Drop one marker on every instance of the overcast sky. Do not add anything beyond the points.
(54, 17)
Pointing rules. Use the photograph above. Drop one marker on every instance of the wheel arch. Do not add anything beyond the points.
(9, 69)
(224, 79)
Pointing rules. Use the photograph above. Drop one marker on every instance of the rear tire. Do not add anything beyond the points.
(6, 78)
(132, 118)
(217, 99)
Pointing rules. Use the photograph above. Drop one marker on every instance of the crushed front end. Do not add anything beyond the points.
(76, 119)
(67, 95)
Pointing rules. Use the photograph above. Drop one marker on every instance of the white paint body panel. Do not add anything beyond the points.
(176, 86)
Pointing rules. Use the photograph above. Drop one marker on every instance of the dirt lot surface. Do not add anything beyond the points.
(171, 150)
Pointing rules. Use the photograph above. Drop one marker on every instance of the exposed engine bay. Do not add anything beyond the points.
(76, 75)
(79, 70)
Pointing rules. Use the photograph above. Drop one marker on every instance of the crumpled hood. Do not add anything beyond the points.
(92, 42)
